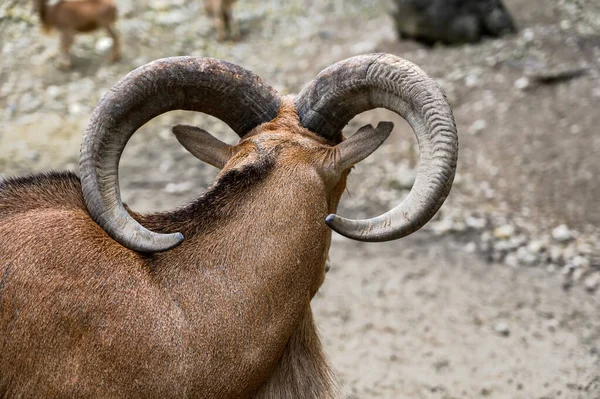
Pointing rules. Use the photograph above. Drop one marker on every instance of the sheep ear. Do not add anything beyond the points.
(203, 145)
(361, 144)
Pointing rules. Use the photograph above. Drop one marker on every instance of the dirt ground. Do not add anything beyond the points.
(440, 314)
(422, 319)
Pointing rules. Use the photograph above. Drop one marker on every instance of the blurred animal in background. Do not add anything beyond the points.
(71, 17)
(222, 15)
(211, 300)
(451, 21)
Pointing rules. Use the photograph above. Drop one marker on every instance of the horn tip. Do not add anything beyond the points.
(168, 242)
(329, 219)
(334, 221)
(175, 240)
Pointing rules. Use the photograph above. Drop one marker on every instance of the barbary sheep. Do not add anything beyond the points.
(211, 300)
(70, 17)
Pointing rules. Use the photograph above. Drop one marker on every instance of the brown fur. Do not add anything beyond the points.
(224, 315)
(70, 17)
(225, 24)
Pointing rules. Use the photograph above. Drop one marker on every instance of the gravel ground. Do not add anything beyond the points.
(423, 319)
(476, 304)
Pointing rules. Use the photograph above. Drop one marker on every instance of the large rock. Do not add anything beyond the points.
(451, 21)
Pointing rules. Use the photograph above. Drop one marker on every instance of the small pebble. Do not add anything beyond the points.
(592, 282)
(562, 233)
(103, 44)
(174, 188)
(475, 223)
(522, 83)
(478, 126)
(502, 329)
(504, 231)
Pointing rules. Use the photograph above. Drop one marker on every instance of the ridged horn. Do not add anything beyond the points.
(370, 81)
(218, 88)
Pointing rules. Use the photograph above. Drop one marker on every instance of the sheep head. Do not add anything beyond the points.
(300, 133)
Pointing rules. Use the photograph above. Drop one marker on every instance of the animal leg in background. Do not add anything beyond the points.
(230, 23)
(116, 50)
(66, 40)
(220, 21)
(221, 14)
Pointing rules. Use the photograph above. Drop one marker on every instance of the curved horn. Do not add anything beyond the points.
(361, 83)
(218, 88)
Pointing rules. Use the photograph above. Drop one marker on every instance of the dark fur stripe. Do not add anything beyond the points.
(63, 190)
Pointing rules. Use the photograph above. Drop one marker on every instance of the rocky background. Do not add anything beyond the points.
(498, 296)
